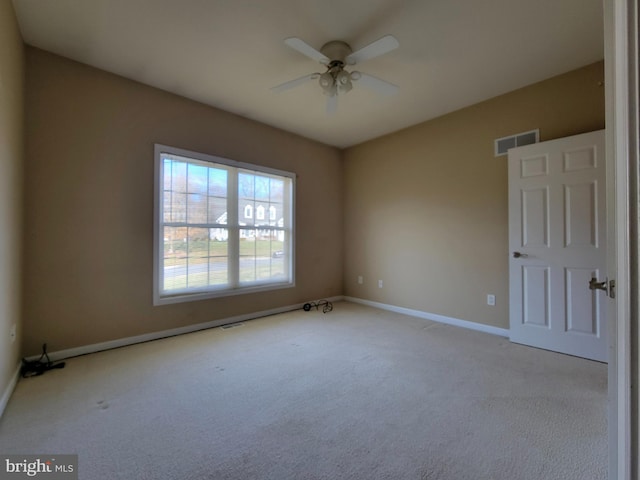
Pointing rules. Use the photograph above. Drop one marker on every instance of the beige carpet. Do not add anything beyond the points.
(357, 393)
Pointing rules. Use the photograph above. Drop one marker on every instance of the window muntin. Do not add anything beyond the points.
(205, 244)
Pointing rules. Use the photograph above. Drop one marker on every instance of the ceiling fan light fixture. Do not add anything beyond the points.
(325, 80)
(331, 91)
(343, 79)
(327, 83)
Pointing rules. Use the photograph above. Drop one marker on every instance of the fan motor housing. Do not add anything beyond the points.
(336, 50)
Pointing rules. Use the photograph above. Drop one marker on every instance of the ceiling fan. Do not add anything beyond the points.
(335, 56)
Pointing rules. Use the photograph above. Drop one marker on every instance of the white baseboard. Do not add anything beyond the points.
(501, 332)
(123, 342)
(8, 391)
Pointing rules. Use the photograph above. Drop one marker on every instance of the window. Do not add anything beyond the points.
(207, 243)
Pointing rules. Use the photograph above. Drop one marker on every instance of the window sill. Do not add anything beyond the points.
(184, 296)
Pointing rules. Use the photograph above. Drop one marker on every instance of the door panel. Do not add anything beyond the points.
(582, 304)
(557, 225)
(535, 218)
(536, 295)
(581, 226)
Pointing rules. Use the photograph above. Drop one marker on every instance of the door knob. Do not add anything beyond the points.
(594, 284)
(609, 286)
(520, 255)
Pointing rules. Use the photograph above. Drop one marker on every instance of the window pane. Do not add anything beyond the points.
(172, 243)
(245, 185)
(217, 210)
(217, 182)
(198, 272)
(178, 176)
(197, 257)
(278, 255)
(175, 274)
(276, 190)
(262, 255)
(218, 256)
(247, 255)
(262, 188)
(247, 242)
(174, 258)
(218, 271)
(166, 168)
(197, 178)
(166, 206)
(176, 209)
(197, 208)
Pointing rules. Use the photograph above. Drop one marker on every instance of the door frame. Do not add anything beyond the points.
(621, 100)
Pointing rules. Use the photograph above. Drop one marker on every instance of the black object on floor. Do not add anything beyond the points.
(38, 367)
(326, 305)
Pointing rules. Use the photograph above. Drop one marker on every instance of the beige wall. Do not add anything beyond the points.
(11, 162)
(426, 207)
(89, 204)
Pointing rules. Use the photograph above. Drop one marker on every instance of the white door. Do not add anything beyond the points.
(557, 242)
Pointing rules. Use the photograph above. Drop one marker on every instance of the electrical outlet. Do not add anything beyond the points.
(491, 300)
(379, 283)
(360, 279)
(12, 333)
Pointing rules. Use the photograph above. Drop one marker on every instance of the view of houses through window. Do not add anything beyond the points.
(223, 227)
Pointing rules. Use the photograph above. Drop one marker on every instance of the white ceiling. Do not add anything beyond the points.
(228, 53)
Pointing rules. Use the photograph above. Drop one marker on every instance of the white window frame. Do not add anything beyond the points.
(235, 287)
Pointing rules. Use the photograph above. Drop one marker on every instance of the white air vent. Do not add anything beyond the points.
(232, 325)
(502, 145)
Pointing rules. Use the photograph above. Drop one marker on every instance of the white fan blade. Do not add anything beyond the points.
(306, 49)
(375, 83)
(379, 47)
(332, 104)
(294, 83)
